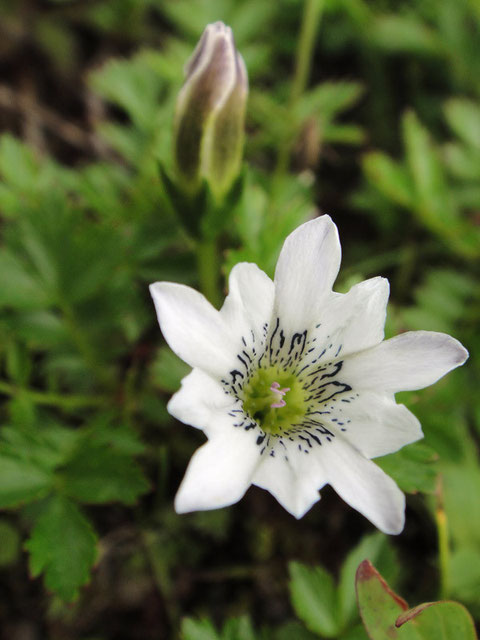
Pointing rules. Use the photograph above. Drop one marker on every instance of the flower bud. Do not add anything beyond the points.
(210, 113)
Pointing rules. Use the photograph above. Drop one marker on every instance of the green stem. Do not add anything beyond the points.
(443, 542)
(60, 400)
(209, 269)
(311, 18)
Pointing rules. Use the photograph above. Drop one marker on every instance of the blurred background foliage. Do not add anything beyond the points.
(382, 131)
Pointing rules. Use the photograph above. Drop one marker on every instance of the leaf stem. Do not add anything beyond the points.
(310, 20)
(208, 269)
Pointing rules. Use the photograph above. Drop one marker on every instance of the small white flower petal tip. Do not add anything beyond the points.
(293, 383)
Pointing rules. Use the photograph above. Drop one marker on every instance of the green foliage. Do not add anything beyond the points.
(328, 609)
(412, 468)
(234, 629)
(314, 599)
(386, 616)
(384, 136)
(62, 545)
(97, 475)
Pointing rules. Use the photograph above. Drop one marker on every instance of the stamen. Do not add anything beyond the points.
(278, 393)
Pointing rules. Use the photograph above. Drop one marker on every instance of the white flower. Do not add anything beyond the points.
(292, 384)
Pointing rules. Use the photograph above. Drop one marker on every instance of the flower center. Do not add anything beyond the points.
(274, 399)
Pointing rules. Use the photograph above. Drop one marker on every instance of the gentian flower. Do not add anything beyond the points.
(293, 384)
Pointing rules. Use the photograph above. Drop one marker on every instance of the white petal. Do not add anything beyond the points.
(249, 303)
(219, 472)
(412, 360)
(364, 486)
(201, 402)
(194, 329)
(305, 273)
(353, 321)
(374, 424)
(295, 482)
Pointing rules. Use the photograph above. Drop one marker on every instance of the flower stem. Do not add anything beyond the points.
(310, 20)
(208, 269)
(443, 542)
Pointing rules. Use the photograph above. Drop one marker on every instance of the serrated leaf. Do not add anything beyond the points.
(412, 468)
(62, 546)
(313, 596)
(21, 481)
(103, 474)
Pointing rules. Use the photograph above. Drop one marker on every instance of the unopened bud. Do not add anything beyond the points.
(210, 113)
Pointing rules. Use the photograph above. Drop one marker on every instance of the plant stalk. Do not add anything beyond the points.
(208, 269)
(310, 21)
(443, 541)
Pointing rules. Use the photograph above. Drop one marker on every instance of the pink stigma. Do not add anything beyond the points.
(278, 393)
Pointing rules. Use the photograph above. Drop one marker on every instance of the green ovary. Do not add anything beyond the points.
(258, 398)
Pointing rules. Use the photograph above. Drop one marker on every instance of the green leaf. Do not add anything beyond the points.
(464, 118)
(168, 370)
(465, 574)
(63, 546)
(328, 99)
(10, 543)
(426, 173)
(463, 162)
(238, 629)
(438, 620)
(355, 633)
(386, 616)
(18, 288)
(21, 481)
(133, 86)
(389, 177)
(293, 630)
(412, 468)
(406, 33)
(103, 474)
(461, 490)
(313, 596)
(374, 548)
(18, 166)
(379, 606)
(198, 630)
